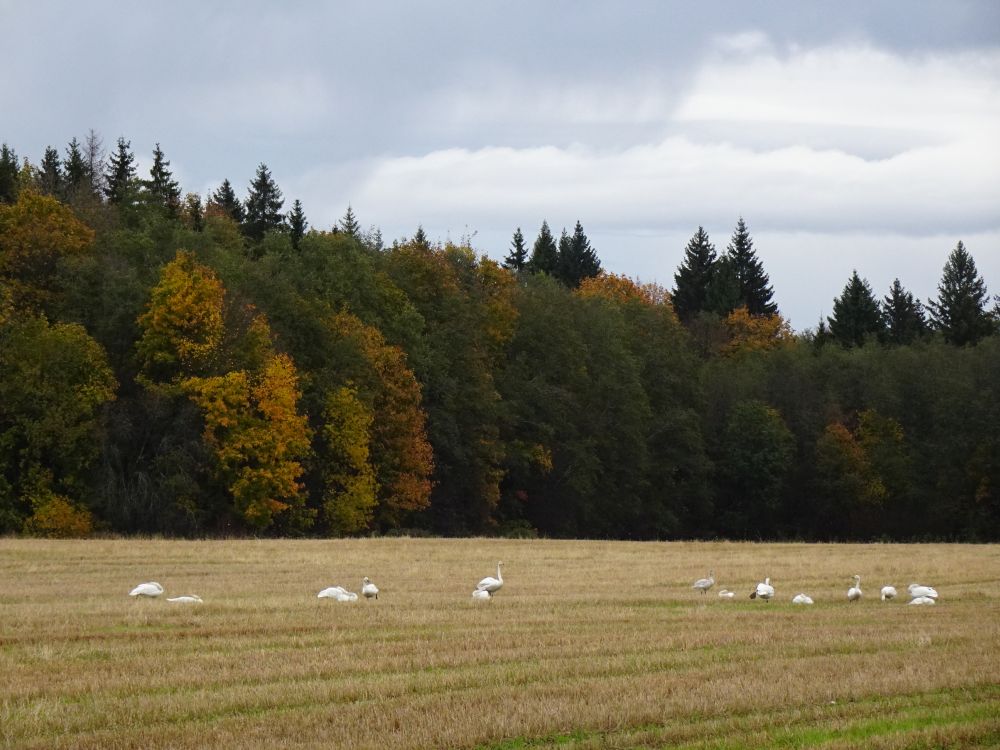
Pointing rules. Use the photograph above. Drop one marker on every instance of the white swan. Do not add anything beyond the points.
(704, 584)
(491, 584)
(147, 589)
(888, 592)
(854, 593)
(764, 590)
(481, 595)
(368, 588)
(726, 594)
(802, 599)
(188, 599)
(916, 590)
(346, 596)
(923, 600)
(331, 593)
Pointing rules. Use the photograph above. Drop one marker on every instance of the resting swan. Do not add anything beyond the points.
(147, 589)
(916, 590)
(480, 595)
(188, 599)
(331, 593)
(888, 592)
(802, 599)
(726, 594)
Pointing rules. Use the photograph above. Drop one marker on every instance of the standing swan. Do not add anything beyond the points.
(368, 588)
(764, 590)
(490, 584)
(147, 589)
(854, 593)
(704, 584)
(888, 592)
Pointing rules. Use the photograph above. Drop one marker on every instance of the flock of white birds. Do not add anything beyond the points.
(919, 594)
(486, 588)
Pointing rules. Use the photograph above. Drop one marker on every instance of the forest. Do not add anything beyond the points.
(201, 366)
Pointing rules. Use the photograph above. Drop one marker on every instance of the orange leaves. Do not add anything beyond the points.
(749, 333)
(35, 233)
(385, 384)
(183, 323)
(622, 289)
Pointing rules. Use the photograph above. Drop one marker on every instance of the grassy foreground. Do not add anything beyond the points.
(588, 645)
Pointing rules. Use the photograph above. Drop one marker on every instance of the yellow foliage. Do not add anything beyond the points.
(55, 516)
(35, 233)
(183, 323)
(257, 435)
(749, 333)
(349, 498)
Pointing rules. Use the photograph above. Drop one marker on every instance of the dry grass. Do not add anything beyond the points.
(589, 644)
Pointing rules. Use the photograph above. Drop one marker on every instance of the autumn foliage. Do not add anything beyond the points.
(36, 233)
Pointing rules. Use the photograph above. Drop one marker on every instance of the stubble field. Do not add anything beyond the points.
(589, 644)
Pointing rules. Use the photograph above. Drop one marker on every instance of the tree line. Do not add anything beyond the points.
(213, 366)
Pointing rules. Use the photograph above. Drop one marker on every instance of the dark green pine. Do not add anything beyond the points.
(120, 176)
(903, 316)
(297, 223)
(755, 290)
(694, 276)
(544, 253)
(960, 309)
(856, 314)
(517, 258)
(263, 205)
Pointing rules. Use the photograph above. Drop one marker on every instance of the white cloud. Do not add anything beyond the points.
(785, 140)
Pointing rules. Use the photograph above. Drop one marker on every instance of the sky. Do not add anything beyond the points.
(848, 135)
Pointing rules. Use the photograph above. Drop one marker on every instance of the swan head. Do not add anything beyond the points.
(857, 580)
(366, 579)
(767, 581)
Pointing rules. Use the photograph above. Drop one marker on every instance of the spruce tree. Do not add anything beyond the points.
(50, 174)
(544, 254)
(224, 199)
(263, 205)
(856, 313)
(76, 168)
(577, 259)
(724, 294)
(297, 223)
(420, 238)
(9, 174)
(517, 258)
(960, 310)
(120, 177)
(755, 289)
(349, 224)
(694, 276)
(161, 188)
(902, 315)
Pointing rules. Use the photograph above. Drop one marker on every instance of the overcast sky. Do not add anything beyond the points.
(848, 135)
